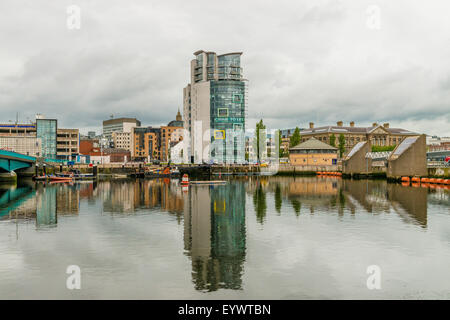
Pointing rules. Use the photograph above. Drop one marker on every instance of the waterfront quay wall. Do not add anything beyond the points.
(287, 169)
(283, 169)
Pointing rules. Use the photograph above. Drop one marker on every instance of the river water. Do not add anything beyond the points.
(253, 238)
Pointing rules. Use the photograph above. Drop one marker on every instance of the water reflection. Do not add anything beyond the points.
(334, 194)
(214, 235)
(213, 220)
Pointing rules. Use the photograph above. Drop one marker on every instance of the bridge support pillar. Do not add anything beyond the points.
(26, 172)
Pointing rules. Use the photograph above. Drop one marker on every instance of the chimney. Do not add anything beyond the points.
(352, 124)
(311, 125)
(374, 124)
(386, 125)
(340, 123)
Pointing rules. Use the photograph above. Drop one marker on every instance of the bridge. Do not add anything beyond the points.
(11, 161)
(13, 198)
(438, 155)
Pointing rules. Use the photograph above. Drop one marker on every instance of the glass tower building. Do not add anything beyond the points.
(46, 130)
(215, 108)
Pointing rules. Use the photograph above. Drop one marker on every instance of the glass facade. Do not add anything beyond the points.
(230, 67)
(198, 73)
(227, 107)
(227, 112)
(46, 130)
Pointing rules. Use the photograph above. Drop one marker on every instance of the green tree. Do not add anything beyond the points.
(333, 140)
(280, 149)
(295, 138)
(341, 145)
(297, 205)
(382, 148)
(260, 127)
(259, 201)
(278, 199)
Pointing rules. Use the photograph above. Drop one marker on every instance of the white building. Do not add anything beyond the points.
(122, 140)
(215, 108)
(119, 125)
(177, 153)
(28, 145)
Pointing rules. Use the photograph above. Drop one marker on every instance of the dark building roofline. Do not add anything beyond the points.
(119, 120)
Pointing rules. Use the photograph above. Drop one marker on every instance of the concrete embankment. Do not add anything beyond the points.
(8, 177)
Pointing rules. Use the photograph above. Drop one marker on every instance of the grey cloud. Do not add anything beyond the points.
(305, 60)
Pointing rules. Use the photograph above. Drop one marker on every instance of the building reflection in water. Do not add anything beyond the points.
(46, 205)
(127, 197)
(215, 235)
(373, 196)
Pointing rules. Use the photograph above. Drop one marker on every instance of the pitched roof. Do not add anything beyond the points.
(338, 129)
(313, 144)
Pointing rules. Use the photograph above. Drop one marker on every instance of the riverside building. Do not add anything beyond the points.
(215, 108)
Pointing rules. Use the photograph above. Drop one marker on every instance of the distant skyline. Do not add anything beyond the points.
(315, 61)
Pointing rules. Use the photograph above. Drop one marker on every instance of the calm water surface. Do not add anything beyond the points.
(253, 238)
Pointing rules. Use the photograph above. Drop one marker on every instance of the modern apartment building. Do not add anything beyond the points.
(118, 125)
(146, 142)
(122, 140)
(215, 108)
(67, 144)
(149, 143)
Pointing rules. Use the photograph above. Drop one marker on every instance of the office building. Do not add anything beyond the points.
(46, 130)
(14, 129)
(118, 125)
(67, 144)
(215, 108)
(28, 145)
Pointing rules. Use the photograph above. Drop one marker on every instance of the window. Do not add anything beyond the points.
(219, 134)
(222, 112)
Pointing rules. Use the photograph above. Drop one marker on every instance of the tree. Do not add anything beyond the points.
(297, 205)
(259, 201)
(260, 127)
(333, 140)
(382, 148)
(278, 198)
(341, 145)
(280, 149)
(295, 138)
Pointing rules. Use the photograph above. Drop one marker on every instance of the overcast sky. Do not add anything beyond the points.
(315, 60)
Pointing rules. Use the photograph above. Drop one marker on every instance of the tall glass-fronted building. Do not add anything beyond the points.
(215, 108)
(46, 130)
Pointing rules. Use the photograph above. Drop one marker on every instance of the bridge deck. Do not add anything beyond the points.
(16, 156)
